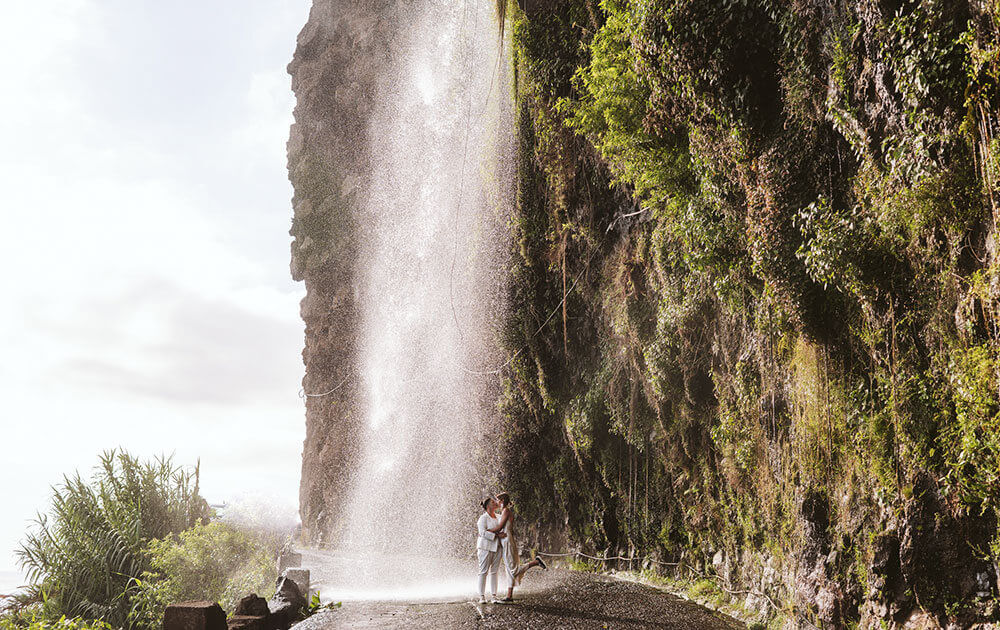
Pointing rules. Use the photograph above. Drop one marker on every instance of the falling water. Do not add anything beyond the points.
(432, 243)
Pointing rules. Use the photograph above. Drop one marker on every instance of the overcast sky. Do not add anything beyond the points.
(146, 300)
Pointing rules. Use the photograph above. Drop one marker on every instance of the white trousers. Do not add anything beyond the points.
(489, 563)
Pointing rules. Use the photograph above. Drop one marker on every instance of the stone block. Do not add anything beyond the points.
(194, 616)
(301, 579)
(289, 559)
(248, 622)
(252, 606)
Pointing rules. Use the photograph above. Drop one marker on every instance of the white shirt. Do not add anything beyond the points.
(487, 540)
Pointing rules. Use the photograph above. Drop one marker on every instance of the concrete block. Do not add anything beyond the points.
(194, 616)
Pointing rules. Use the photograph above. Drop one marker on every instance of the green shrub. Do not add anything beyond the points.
(612, 110)
(81, 557)
(585, 565)
(214, 561)
(34, 623)
(971, 440)
(788, 281)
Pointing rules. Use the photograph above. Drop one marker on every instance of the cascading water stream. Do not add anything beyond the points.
(432, 228)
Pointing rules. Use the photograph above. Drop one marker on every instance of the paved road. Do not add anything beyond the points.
(554, 599)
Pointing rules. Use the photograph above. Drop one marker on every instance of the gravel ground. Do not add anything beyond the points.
(554, 599)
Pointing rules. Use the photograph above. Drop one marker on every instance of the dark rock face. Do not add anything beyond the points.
(934, 542)
(287, 605)
(334, 74)
(887, 595)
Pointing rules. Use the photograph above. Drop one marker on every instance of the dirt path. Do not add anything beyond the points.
(552, 599)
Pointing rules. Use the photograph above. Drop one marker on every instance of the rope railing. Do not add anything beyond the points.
(304, 394)
(725, 587)
(607, 558)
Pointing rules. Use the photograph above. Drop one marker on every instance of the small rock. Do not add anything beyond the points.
(718, 559)
(194, 616)
(286, 606)
(983, 586)
(921, 620)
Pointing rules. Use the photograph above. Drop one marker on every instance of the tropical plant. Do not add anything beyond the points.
(316, 605)
(214, 561)
(82, 556)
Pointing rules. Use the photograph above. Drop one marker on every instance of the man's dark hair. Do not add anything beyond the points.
(486, 502)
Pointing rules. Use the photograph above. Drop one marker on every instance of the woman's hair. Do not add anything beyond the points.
(504, 498)
(486, 502)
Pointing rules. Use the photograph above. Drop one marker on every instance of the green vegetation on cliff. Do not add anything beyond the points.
(766, 236)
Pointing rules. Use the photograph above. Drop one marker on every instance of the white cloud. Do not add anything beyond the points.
(143, 240)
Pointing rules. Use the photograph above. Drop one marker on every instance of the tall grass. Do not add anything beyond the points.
(82, 556)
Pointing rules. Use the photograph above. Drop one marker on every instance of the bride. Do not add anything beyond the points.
(511, 558)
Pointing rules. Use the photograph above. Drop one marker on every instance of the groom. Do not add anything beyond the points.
(489, 549)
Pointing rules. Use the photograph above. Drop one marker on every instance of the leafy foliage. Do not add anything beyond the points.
(316, 605)
(214, 561)
(62, 623)
(783, 334)
(82, 556)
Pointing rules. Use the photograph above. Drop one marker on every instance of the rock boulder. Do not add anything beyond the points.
(287, 606)
(201, 615)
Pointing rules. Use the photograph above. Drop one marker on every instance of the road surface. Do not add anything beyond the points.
(554, 599)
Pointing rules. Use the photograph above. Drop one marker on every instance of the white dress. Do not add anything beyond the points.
(511, 557)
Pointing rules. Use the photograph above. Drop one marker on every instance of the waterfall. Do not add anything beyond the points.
(433, 233)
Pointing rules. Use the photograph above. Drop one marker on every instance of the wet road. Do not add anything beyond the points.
(553, 599)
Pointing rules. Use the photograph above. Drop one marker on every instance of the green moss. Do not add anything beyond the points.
(769, 275)
(587, 566)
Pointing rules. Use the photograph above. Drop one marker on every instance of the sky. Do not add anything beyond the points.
(145, 297)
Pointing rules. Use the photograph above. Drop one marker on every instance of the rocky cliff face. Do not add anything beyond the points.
(756, 302)
(337, 64)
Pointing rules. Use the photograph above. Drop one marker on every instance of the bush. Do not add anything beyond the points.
(584, 565)
(34, 623)
(214, 561)
(83, 555)
(612, 113)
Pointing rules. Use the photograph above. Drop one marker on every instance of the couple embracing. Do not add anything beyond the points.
(496, 546)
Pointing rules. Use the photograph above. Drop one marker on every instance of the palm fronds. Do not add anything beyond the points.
(82, 555)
